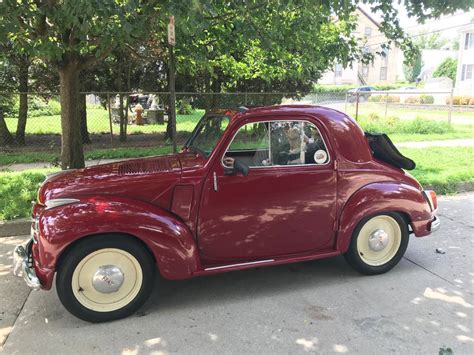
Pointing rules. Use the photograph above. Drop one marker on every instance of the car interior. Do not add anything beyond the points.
(278, 143)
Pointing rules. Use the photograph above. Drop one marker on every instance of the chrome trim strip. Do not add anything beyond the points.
(241, 264)
(214, 177)
(55, 202)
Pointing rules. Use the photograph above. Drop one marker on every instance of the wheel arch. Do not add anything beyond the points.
(87, 238)
(377, 198)
(165, 236)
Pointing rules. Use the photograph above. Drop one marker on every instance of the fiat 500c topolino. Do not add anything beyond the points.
(251, 188)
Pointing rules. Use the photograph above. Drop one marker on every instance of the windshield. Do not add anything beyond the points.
(207, 133)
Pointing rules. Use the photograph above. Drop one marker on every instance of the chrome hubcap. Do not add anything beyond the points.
(378, 240)
(108, 279)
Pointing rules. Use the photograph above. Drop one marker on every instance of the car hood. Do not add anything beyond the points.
(147, 179)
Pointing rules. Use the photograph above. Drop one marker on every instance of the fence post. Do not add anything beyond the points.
(357, 105)
(345, 104)
(450, 107)
(386, 104)
(246, 93)
(110, 119)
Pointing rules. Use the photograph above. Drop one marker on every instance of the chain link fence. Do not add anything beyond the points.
(110, 119)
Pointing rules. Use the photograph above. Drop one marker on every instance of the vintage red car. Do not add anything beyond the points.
(251, 188)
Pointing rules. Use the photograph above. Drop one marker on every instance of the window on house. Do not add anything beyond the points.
(338, 70)
(466, 72)
(383, 73)
(384, 57)
(365, 71)
(469, 40)
(368, 31)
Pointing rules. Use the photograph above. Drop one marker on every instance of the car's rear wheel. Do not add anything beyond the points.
(105, 278)
(378, 243)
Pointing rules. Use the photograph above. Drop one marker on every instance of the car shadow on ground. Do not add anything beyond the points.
(246, 284)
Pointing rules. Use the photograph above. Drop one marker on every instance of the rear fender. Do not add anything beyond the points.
(169, 239)
(383, 197)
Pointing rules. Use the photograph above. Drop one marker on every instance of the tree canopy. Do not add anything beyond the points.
(252, 45)
(447, 68)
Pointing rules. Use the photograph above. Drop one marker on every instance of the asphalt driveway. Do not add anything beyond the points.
(425, 303)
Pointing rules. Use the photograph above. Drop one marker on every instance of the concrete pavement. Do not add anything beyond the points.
(423, 304)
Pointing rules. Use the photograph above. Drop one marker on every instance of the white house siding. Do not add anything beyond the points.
(465, 70)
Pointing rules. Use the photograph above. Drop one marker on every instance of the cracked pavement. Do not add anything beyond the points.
(425, 303)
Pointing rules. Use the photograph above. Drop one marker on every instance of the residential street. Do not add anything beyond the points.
(425, 303)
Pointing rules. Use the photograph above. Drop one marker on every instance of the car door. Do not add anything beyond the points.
(285, 205)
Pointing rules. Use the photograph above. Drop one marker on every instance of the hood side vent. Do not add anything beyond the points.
(144, 167)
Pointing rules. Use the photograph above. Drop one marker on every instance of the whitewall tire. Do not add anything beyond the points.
(378, 243)
(105, 278)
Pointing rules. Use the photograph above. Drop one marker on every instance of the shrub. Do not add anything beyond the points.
(375, 124)
(412, 100)
(464, 100)
(461, 100)
(384, 98)
(184, 107)
(423, 126)
(393, 99)
(37, 106)
(426, 99)
(375, 98)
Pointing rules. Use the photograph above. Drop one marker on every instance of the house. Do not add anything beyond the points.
(465, 70)
(385, 69)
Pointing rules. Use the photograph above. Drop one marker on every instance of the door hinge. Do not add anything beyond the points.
(214, 178)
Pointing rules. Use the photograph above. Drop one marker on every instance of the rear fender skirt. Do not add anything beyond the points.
(382, 197)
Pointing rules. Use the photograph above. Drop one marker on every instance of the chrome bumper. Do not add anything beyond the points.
(22, 266)
(435, 224)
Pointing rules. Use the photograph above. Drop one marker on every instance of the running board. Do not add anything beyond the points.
(265, 263)
(239, 265)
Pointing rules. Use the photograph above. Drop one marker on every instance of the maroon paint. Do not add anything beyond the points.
(288, 214)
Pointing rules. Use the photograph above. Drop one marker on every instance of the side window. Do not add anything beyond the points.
(251, 145)
(278, 143)
(297, 143)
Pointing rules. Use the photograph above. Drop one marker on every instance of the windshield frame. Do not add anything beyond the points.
(198, 129)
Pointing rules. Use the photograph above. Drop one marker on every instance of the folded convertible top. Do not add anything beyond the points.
(383, 149)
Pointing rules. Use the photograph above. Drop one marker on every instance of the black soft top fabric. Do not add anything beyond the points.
(383, 149)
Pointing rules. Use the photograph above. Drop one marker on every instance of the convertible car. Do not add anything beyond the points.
(251, 188)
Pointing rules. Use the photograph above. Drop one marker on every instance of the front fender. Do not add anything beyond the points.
(383, 197)
(169, 239)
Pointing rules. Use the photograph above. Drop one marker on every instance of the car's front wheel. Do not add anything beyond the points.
(105, 278)
(378, 243)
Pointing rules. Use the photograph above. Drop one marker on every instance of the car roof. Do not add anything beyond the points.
(343, 130)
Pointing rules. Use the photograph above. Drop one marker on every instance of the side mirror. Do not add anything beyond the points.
(241, 167)
(238, 167)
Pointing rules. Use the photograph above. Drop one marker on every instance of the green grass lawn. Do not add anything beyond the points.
(111, 153)
(442, 167)
(98, 122)
(438, 168)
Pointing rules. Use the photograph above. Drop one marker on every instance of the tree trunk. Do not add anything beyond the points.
(23, 109)
(72, 155)
(123, 129)
(169, 127)
(83, 117)
(5, 136)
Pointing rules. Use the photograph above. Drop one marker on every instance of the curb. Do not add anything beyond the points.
(19, 226)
